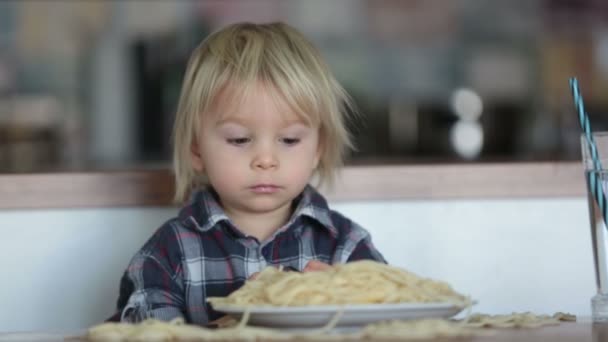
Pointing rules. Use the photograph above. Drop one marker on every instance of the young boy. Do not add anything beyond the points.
(259, 114)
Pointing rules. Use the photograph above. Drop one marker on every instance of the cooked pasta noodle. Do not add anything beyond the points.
(361, 282)
(516, 320)
(417, 329)
(154, 330)
(176, 330)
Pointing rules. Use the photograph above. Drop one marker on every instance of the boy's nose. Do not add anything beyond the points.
(265, 160)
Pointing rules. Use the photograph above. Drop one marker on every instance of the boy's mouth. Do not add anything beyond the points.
(265, 188)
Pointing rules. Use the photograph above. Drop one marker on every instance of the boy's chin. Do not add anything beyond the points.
(264, 204)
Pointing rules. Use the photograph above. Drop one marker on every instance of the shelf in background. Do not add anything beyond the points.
(145, 188)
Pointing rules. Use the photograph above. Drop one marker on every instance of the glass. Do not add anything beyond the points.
(599, 332)
(599, 230)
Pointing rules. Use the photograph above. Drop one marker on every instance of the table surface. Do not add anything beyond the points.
(567, 331)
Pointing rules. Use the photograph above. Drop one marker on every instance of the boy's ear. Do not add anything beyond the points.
(318, 155)
(195, 157)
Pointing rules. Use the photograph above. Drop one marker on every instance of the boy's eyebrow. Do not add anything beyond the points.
(231, 120)
(289, 124)
(244, 122)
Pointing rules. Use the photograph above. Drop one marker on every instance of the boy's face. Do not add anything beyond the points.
(258, 155)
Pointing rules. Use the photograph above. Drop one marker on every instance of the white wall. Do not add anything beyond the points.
(60, 268)
(510, 255)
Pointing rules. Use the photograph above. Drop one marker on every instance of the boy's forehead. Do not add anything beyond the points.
(240, 104)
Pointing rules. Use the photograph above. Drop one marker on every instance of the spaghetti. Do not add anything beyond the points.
(360, 282)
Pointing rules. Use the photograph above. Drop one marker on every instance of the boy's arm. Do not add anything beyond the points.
(365, 250)
(356, 240)
(151, 288)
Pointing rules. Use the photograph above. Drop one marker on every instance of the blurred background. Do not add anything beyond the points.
(94, 84)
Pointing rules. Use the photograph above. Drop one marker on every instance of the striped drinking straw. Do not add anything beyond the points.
(593, 182)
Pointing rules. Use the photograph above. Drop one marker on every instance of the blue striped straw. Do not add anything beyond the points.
(594, 184)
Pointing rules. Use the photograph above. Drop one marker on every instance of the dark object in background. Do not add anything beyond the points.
(157, 79)
(159, 65)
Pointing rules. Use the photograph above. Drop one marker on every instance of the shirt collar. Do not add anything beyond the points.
(313, 205)
(205, 212)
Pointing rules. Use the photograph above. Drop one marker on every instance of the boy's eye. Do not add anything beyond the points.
(238, 141)
(290, 141)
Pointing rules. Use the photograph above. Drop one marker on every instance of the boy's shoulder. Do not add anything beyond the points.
(338, 223)
(174, 225)
(169, 236)
(345, 225)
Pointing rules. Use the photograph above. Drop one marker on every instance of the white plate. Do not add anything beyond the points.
(352, 315)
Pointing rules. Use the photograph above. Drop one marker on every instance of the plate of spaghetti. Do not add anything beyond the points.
(351, 294)
(344, 316)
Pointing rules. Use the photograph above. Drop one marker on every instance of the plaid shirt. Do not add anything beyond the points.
(200, 254)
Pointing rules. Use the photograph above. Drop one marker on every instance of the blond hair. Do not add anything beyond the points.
(277, 55)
